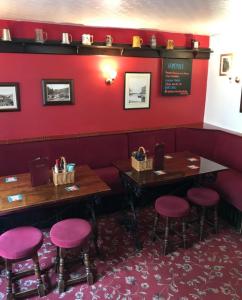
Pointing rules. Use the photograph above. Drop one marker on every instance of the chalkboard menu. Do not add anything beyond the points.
(176, 77)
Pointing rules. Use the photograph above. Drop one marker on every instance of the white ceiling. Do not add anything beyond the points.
(184, 16)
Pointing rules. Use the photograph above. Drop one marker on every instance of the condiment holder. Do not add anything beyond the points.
(140, 161)
(63, 173)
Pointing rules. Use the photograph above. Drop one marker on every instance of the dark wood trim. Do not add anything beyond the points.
(202, 53)
(92, 134)
(29, 46)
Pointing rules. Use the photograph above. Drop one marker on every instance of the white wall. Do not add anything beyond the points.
(223, 95)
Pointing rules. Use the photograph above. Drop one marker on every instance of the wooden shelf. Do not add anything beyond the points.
(202, 53)
(98, 48)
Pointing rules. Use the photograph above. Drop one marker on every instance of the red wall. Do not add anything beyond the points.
(98, 107)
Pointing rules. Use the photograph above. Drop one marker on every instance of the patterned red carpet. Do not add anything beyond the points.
(208, 270)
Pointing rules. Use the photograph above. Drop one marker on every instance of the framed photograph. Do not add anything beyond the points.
(57, 91)
(137, 90)
(225, 64)
(9, 96)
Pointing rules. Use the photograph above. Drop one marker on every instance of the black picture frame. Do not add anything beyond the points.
(57, 91)
(176, 77)
(137, 90)
(9, 97)
(225, 64)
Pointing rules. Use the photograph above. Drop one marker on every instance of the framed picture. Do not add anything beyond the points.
(225, 64)
(137, 90)
(57, 91)
(9, 96)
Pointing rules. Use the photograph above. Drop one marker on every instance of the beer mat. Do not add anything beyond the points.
(192, 159)
(159, 172)
(10, 179)
(168, 156)
(72, 188)
(13, 198)
(193, 167)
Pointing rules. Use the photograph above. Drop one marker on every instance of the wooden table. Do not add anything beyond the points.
(90, 187)
(176, 168)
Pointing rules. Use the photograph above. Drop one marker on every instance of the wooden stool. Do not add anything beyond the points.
(204, 198)
(20, 244)
(70, 234)
(171, 207)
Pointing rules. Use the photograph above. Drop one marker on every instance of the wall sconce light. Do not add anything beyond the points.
(110, 75)
(109, 68)
(237, 79)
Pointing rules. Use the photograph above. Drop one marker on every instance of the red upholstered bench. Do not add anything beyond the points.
(224, 148)
(99, 151)
(229, 186)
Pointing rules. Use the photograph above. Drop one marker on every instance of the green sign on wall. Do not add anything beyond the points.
(176, 77)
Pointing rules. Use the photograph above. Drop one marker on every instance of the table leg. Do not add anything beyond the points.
(205, 179)
(91, 207)
(132, 193)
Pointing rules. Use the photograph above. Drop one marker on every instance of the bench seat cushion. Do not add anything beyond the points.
(229, 186)
(111, 176)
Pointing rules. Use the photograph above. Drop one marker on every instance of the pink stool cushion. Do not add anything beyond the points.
(171, 206)
(203, 196)
(20, 243)
(70, 233)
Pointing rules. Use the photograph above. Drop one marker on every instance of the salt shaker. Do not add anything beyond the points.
(153, 41)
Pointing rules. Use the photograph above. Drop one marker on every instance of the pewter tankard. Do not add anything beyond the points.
(6, 36)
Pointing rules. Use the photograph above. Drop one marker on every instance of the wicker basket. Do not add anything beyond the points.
(63, 177)
(144, 165)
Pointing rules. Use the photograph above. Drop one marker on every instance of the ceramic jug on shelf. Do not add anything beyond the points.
(66, 38)
(109, 40)
(153, 43)
(137, 41)
(40, 35)
(87, 39)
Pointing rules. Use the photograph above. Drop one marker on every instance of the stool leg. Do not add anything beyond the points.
(154, 227)
(9, 290)
(184, 236)
(61, 280)
(88, 270)
(40, 284)
(166, 236)
(57, 260)
(202, 218)
(216, 219)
